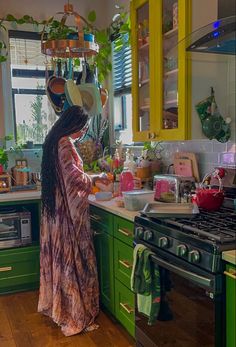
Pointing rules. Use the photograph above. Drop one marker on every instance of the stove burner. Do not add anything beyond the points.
(217, 226)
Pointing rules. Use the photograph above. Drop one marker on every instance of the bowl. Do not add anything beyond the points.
(103, 196)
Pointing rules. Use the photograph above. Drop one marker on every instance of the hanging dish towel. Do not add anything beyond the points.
(145, 282)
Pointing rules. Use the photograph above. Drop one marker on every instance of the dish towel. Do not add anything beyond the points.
(145, 282)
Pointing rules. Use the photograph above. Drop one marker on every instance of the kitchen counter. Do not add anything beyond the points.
(20, 196)
(230, 256)
(111, 207)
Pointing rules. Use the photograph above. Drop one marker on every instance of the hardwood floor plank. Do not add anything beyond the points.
(22, 326)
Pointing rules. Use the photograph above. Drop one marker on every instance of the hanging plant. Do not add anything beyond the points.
(54, 29)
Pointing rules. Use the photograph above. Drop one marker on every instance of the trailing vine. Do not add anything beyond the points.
(54, 29)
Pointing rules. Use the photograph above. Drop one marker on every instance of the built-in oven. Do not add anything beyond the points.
(191, 309)
(15, 229)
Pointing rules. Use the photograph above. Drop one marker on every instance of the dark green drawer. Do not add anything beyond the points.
(101, 220)
(124, 306)
(123, 260)
(19, 268)
(124, 230)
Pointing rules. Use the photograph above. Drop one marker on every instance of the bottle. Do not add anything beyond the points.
(126, 180)
(130, 163)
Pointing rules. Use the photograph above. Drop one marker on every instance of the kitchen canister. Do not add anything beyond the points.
(175, 15)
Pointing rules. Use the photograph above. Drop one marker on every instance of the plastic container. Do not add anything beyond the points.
(137, 199)
(126, 181)
(103, 196)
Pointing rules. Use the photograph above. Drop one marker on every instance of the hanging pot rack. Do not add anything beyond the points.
(75, 46)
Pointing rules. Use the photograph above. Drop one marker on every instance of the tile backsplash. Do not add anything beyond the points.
(209, 154)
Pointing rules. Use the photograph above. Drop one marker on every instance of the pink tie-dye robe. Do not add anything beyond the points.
(69, 291)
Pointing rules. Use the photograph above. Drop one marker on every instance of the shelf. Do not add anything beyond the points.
(144, 108)
(170, 33)
(171, 73)
(143, 82)
(170, 102)
(144, 47)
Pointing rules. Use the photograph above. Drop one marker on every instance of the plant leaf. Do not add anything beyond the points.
(92, 16)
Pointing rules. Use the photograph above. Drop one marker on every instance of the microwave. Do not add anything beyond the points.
(15, 229)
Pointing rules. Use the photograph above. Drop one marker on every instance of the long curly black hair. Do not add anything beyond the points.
(71, 121)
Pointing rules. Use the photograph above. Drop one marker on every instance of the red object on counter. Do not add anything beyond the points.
(209, 199)
(1, 169)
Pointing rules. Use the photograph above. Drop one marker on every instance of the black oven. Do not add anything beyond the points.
(191, 310)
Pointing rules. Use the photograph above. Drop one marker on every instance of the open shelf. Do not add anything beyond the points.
(170, 33)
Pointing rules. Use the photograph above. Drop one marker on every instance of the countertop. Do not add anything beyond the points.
(230, 256)
(109, 206)
(21, 196)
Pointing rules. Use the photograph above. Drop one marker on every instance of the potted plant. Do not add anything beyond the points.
(3, 153)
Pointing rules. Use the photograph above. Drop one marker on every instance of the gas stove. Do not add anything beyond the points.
(199, 240)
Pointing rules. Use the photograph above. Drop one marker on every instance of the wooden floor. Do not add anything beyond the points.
(22, 326)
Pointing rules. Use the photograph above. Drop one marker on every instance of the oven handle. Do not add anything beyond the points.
(201, 280)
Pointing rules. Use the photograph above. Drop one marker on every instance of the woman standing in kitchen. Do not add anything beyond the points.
(69, 292)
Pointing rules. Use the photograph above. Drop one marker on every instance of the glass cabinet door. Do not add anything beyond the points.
(141, 69)
(170, 64)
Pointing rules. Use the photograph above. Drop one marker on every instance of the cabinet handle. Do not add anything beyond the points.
(124, 232)
(95, 217)
(231, 274)
(126, 307)
(95, 233)
(125, 263)
(6, 268)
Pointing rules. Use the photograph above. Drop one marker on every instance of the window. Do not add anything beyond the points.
(33, 113)
(122, 78)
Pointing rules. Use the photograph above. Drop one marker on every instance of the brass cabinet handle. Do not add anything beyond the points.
(96, 233)
(126, 307)
(95, 217)
(124, 232)
(5, 268)
(231, 274)
(125, 263)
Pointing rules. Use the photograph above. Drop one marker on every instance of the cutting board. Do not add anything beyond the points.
(192, 157)
(183, 167)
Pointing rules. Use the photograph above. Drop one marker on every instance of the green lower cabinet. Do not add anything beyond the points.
(19, 269)
(104, 249)
(124, 307)
(123, 261)
(230, 305)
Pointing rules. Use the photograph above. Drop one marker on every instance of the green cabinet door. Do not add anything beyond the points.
(103, 243)
(230, 305)
(19, 269)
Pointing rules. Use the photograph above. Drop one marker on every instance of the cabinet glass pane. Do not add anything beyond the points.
(170, 64)
(143, 67)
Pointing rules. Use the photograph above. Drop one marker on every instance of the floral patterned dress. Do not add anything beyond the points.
(69, 291)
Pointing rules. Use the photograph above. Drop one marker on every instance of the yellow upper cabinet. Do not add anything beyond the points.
(161, 84)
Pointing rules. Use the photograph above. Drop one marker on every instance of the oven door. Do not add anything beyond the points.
(190, 311)
(10, 234)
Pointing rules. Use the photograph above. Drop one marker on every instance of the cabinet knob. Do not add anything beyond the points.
(152, 136)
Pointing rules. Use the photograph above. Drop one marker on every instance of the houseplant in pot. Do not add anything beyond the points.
(3, 152)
